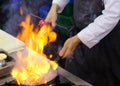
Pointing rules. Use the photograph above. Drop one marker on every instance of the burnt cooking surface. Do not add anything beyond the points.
(58, 81)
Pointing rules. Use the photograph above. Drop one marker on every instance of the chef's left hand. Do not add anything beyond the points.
(69, 46)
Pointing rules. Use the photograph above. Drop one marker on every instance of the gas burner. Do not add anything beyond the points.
(6, 64)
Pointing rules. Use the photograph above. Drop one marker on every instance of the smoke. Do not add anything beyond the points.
(14, 18)
(11, 26)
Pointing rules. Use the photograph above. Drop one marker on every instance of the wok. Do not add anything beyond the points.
(50, 76)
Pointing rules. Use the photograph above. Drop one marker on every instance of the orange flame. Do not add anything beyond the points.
(21, 10)
(33, 67)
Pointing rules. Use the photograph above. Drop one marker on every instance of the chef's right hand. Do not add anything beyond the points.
(52, 15)
(69, 46)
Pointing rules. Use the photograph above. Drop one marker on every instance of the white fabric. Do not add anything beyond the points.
(61, 3)
(102, 25)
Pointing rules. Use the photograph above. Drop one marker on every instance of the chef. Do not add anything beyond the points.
(93, 50)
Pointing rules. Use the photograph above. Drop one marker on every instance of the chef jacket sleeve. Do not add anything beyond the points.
(102, 25)
(61, 4)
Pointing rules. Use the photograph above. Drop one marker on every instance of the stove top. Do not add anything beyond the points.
(58, 81)
(64, 77)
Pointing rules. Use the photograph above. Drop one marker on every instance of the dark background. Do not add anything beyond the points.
(9, 8)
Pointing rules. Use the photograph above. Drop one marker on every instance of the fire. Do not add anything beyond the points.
(21, 10)
(31, 68)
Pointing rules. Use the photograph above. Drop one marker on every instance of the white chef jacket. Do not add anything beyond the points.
(102, 25)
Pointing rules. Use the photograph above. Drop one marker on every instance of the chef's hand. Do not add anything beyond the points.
(52, 15)
(69, 46)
